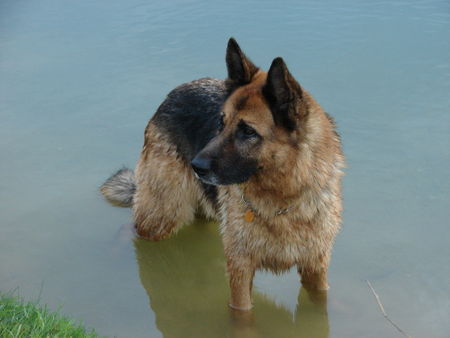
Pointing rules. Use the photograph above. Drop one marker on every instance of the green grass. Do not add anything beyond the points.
(28, 319)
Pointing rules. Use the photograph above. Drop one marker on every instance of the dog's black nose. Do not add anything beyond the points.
(201, 165)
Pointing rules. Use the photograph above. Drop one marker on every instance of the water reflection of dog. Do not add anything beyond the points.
(188, 292)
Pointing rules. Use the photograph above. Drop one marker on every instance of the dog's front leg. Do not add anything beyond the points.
(314, 274)
(315, 280)
(240, 272)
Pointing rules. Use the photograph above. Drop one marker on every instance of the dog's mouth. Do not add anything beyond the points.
(215, 180)
(210, 179)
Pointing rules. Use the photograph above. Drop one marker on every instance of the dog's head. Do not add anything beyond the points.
(261, 122)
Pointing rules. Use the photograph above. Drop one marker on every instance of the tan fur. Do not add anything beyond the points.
(167, 194)
(300, 170)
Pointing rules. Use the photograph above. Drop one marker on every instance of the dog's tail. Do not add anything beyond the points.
(120, 187)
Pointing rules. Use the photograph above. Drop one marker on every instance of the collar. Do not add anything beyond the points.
(276, 213)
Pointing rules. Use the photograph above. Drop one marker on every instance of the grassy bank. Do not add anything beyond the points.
(28, 319)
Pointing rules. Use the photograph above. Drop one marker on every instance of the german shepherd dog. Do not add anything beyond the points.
(256, 152)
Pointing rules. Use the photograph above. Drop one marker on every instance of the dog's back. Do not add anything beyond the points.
(190, 114)
(189, 117)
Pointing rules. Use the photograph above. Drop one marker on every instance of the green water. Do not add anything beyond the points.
(79, 81)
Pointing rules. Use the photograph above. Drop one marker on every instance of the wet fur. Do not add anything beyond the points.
(294, 163)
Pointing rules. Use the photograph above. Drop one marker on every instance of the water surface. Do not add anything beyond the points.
(79, 81)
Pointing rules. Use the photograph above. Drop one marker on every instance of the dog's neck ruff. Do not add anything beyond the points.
(251, 208)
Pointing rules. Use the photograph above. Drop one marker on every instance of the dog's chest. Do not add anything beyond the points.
(275, 243)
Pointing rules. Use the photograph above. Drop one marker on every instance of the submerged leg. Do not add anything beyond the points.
(311, 315)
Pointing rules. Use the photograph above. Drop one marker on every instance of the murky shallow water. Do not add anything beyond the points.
(78, 82)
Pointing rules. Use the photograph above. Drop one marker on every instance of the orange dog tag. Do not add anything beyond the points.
(249, 216)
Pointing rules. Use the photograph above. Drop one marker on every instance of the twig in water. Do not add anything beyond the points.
(384, 312)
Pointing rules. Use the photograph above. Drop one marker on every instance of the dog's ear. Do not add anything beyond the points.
(240, 68)
(284, 95)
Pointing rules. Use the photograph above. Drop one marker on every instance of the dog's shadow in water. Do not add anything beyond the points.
(188, 291)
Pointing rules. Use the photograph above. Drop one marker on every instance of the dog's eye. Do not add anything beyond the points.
(247, 130)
